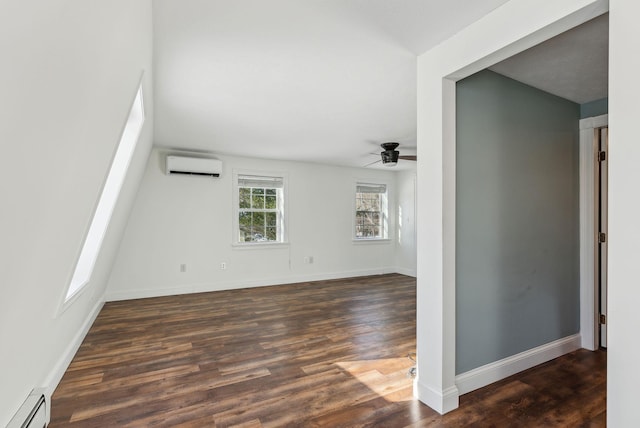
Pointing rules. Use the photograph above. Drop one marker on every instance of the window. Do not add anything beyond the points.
(371, 211)
(260, 209)
(108, 198)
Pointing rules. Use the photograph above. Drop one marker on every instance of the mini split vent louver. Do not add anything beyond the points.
(194, 166)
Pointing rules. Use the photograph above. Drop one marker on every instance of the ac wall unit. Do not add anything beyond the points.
(194, 166)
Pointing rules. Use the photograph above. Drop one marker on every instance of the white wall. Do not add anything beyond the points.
(188, 220)
(480, 45)
(70, 70)
(623, 318)
(406, 227)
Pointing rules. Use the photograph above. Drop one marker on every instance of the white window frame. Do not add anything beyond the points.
(283, 217)
(96, 232)
(385, 218)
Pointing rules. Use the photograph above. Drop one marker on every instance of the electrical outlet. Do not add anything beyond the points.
(310, 259)
(223, 266)
(183, 267)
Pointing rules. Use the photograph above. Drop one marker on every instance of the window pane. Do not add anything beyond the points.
(244, 218)
(257, 201)
(270, 202)
(271, 192)
(257, 226)
(258, 221)
(244, 221)
(257, 191)
(271, 219)
(271, 234)
(375, 203)
(245, 197)
(367, 218)
(245, 234)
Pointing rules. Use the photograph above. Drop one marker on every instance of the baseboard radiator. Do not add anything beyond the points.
(32, 413)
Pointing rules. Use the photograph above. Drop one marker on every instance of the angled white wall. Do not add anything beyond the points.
(188, 220)
(70, 72)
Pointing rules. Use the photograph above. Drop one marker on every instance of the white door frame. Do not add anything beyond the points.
(589, 299)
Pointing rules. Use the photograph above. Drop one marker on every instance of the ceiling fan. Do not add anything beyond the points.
(390, 155)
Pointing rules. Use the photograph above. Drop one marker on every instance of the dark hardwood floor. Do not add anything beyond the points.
(321, 354)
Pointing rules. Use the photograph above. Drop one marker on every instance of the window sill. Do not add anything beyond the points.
(370, 241)
(259, 245)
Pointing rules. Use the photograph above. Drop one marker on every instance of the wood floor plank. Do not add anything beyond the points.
(322, 354)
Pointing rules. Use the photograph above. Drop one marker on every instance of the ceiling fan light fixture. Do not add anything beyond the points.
(390, 154)
(390, 157)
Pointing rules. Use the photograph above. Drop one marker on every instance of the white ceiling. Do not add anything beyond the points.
(310, 80)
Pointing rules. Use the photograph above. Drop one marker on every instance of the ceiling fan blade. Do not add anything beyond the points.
(408, 157)
(372, 163)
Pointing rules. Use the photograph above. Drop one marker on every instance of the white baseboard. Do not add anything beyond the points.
(493, 372)
(440, 401)
(406, 271)
(233, 285)
(55, 376)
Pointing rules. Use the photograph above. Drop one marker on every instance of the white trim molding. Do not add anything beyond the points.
(498, 370)
(440, 402)
(588, 231)
(406, 271)
(55, 376)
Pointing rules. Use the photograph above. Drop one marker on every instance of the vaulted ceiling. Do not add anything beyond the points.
(310, 80)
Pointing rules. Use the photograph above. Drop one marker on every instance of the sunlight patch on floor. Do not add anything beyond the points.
(388, 377)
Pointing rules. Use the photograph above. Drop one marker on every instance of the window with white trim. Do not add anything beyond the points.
(371, 216)
(260, 207)
(108, 198)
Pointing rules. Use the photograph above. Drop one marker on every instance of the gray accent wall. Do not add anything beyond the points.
(517, 221)
(594, 108)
